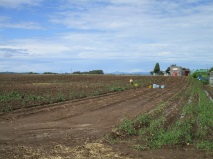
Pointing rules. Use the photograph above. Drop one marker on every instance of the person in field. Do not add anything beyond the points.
(131, 81)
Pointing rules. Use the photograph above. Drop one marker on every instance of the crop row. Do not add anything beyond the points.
(20, 91)
(186, 119)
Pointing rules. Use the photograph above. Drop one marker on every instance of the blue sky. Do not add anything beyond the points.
(112, 35)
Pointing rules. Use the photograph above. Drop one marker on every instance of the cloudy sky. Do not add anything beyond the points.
(112, 35)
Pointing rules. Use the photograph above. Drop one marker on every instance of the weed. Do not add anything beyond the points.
(205, 145)
(34, 97)
(96, 93)
(127, 126)
(60, 97)
(7, 109)
(144, 120)
(169, 137)
(117, 88)
(194, 128)
(73, 95)
(10, 96)
(140, 147)
(110, 139)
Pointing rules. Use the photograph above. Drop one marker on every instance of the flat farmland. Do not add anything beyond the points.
(91, 116)
(22, 91)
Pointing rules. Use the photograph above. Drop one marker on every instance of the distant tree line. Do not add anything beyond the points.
(90, 72)
(77, 72)
(50, 73)
(7, 73)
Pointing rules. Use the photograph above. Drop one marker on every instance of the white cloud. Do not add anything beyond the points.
(22, 25)
(32, 48)
(9, 52)
(146, 17)
(7, 22)
(3, 18)
(130, 31)
(18, 3)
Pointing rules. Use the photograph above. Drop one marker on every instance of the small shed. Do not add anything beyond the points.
(211, 78)
(186, 72)
(176, 71)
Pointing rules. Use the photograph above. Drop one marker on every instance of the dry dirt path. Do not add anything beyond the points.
(75, 122)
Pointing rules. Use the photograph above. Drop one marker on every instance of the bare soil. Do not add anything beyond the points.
(77, 128)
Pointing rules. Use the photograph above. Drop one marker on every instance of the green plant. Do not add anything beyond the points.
(195, 128)
(169, 137)
(6, 109)
(110, 139)
(140, 147)
(34, 97)
(117, 88)
(127, 126)
(144, 120)
(10, 96)
(60, 97)
(205, 145)
(96, 93)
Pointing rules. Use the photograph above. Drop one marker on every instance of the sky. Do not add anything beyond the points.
(64, 36)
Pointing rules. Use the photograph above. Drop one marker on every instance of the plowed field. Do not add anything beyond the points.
(76, 128)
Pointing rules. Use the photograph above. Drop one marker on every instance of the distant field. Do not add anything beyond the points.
(20, 91)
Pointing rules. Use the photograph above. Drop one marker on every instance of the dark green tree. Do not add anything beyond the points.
(157, 68)
(50, 73)
(90, 72)
(96, 72)
(168, 70)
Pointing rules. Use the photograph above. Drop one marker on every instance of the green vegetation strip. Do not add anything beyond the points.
(194, 128)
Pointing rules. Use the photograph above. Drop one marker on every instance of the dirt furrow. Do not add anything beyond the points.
(72, 123)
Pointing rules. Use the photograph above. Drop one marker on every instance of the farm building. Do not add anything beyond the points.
(211, 78)
(186, 72)
(179, 71)
(176, 71)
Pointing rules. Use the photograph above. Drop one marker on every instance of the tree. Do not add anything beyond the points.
(90, 72)
(160, 73)
(96, 72)
(157, 68)
(211, 69)
(50, 73)
(168, 70)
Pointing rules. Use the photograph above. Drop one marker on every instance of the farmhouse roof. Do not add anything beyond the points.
(176, 66)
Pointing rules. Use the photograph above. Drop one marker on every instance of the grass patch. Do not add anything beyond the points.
(6, 109)
(60, 97)
(127, 126)
(205, 145)
(117, 88)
